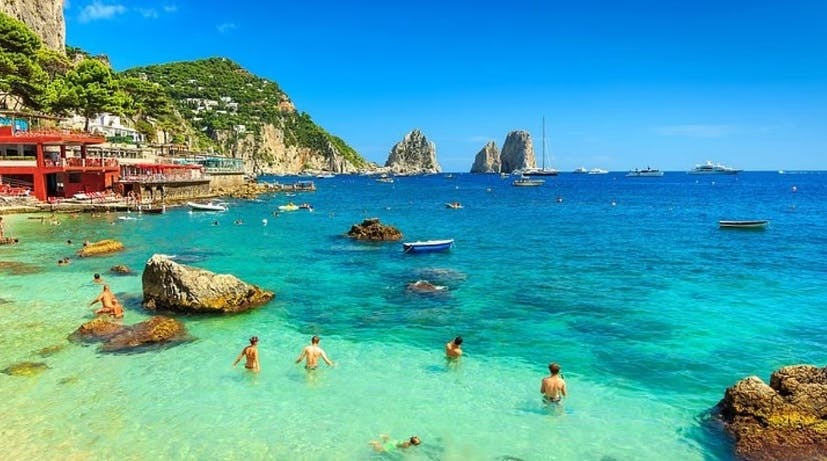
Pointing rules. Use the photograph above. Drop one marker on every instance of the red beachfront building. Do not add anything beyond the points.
(38, 160)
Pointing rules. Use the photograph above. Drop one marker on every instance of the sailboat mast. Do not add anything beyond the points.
(544, 142)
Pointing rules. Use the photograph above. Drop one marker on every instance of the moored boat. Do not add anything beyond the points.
(598, 171)
(427, 246)
(581, 170)
(289, 207)
(528, 182)
(750, 224)
(713, 168)
(644, 173)
(211, 206)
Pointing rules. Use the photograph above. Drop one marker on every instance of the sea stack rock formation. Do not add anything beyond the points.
(518, 152)
(413, 155)
(487, 159)
(171, 286)
(786, 420)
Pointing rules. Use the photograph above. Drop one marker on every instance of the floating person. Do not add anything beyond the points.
(453, 349)
(312, 353)
(251, 354)
(553, 387)
(215, 223)
(109, 303)
(385, 444)
(559, 199)
(64, 261)
(97, 278)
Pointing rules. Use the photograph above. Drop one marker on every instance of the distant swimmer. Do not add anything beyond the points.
(264, 221)
(312, 353)
(453, 349)
(553, 387)
(251, 353)
(385, 444)
(97, 278)
(109, 303)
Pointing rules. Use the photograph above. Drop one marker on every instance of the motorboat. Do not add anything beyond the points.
(580, 170)
(644, 173)
(713, 168)
(528, 182)
(325, 176)
(211, 206)
(289, 207)
(427, 246)
(385, 178)
(598, 171)
(753, 224)
(453, 205)
(306, 206)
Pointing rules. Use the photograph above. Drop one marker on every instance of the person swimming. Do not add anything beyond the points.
(312, 354)
(251, 353)
(385, 444)
(453, 349)
(553, 387)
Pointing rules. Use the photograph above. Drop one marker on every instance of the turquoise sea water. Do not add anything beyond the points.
(651, 310)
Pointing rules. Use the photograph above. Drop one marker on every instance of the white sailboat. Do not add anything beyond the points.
(541, 171)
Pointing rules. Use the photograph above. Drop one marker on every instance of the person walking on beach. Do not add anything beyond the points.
(385, 444)
(109, 303)
(251, 353)
(453, 349)
(553, 387)
(312, 354)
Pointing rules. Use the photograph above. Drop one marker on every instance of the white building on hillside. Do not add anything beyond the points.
(111, 126)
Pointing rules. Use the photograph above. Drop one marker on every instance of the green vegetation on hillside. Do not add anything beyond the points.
(216, 95)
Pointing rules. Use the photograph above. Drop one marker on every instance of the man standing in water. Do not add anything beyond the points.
(110, 304)
(553, 386)
(312, 354)
(251, 353)
(453, 349)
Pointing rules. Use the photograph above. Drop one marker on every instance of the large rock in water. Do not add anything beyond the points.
(786, 420)
(518, 152)
(102, 247)
(487, 159)
(372, 229)
(413, 155)
(158, 330)
(176, 287)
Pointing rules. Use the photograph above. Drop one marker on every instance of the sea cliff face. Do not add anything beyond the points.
(413, 155)
(487, 159)
(518, 152)
(44, 17)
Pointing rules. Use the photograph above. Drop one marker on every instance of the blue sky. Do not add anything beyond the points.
(621, 84)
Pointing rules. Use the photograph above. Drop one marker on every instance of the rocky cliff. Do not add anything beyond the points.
(487, 159)
(518, 152)
(413, 155)
(44, 17)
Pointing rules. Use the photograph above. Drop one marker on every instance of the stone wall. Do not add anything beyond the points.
(225, 180)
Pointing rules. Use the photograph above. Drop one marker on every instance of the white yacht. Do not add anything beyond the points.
(644, 173)
(713, 168)
(598, 171)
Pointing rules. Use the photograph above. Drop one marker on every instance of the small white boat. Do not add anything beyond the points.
(753, 224)
(325, 176)
(427, 246)
(581, 170)
(289, 207)
(645, 173)
(528, 182)
(598, 171)
(211, 206)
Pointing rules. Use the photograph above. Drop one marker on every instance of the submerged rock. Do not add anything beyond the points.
(176, 287)
(25, 368)
(785, 420)
(102, 247)
(424, 286)
(372, 229)
(157, 330)
(119, 338)
(120, 269)
(51, 350)
(18, 268)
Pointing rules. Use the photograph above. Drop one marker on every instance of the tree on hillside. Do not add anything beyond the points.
(92, 90)
(20, 73)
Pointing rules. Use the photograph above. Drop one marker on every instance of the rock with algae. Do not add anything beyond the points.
(103, 247)
(25, 368)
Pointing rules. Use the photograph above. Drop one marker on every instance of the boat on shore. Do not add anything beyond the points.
(528, 182)
(427, 246)
(750, 224)
(644, 173)
(713, 168)
(211, 206)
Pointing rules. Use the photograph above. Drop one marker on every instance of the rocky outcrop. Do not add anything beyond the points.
(120, 269)
(424, 286)
(158, 330)
(786, 420)
(44, 17)
(372, 229)
(103, 247)
(518, 152)
(487, 159)
(413, 155)
(171, 286)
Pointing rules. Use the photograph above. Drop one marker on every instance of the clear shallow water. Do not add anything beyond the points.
(650, 308)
